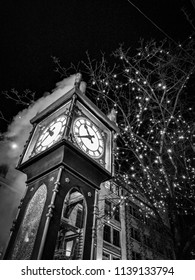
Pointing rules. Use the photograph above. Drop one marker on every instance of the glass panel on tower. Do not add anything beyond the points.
(48, 132)
(91, 136)
(29, 227)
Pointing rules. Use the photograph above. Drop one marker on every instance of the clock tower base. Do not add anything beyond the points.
(68, 155)
(43, 231)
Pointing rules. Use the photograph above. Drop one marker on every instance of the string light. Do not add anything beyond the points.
(150, 147)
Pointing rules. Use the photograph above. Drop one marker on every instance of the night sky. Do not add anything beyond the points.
(33, 31)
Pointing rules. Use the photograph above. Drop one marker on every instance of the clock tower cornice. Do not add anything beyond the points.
(73, 94)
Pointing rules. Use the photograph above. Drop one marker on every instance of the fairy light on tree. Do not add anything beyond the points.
(154, 148)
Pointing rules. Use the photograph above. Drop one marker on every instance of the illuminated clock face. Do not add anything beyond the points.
(88, 137)
(50, 134)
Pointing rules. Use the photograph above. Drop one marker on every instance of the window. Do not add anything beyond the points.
(147, 241)
(112, 210)
(112, 187)
(112, 235)
(79, 218)
(107, 233)
(115, 189)
(105, 256)
(135, 234)
(108, 208)
(116, 238)
(70, 241)
(109, 256)
(115, 258)
(67, 246)
(135, 212)
(116, 212)
(136, 256)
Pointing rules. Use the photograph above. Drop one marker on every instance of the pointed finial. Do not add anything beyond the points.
(80, 84)
(78, 78)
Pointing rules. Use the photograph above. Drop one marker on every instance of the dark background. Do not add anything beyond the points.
(34, 30)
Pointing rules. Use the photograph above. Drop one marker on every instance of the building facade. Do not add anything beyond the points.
(126, 232)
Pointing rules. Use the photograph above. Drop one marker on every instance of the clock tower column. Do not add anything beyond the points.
(68, 155)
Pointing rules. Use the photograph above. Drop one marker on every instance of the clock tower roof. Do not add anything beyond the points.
(75, 91)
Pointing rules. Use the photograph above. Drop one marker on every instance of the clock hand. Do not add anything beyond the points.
(90, 136)
(37, 146)
(87, 136)
(51, 132)
(86, 127)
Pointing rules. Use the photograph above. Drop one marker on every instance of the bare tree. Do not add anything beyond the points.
(148, 90)
(17, 100)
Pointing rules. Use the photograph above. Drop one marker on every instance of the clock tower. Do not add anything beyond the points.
(68, 155)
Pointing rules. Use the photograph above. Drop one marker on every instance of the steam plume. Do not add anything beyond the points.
(11, 148)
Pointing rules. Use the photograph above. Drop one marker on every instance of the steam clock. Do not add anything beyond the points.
(68, 155)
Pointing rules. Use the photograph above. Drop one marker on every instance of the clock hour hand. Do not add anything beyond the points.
(51, 132)
(46, 136)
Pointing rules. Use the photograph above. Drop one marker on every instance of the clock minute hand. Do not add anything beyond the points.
(90, 136)
(86, 127)
(42, 140)
(49, 133)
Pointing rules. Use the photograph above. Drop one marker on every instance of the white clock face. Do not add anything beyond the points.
(51, 134)
(88, 137)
